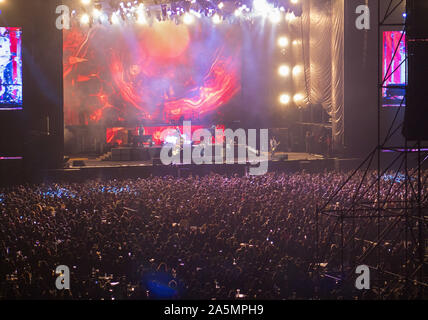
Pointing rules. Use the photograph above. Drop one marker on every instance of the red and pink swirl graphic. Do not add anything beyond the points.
(164, 72)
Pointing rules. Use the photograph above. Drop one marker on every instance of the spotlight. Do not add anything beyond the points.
(141, 19)
(284, 71)
(294, 1)
(261, 6)
(221, 5)
(195, 13)
(283, 42)
(275, 16)
(84, 19)
(86, 2)
(298, 98)
(289, 16)
(284, 99)
(103, 18)
(96, 13)
(216, 19)
(297, 70)
(188, 18)
(114, 19)
(238, 12)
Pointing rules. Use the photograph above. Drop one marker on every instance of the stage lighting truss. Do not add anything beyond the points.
(185, 11)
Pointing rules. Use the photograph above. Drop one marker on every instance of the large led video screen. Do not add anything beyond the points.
(161, 73)
(10, 68)
(394, 68)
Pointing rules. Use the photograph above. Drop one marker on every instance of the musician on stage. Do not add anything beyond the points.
(179, 142)
(273, 146)
(141, 131)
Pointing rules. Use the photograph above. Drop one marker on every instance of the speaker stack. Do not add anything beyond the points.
(416, 115)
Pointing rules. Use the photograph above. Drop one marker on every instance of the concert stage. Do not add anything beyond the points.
(279, 156)
(91, 168)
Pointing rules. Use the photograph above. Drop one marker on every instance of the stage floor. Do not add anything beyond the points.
(94, 162)
(93, 168)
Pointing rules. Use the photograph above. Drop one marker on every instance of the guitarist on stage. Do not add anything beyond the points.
(273, 146)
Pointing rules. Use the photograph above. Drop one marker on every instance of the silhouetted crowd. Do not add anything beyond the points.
(190, 238)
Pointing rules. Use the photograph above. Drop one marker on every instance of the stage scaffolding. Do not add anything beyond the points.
(384, 223)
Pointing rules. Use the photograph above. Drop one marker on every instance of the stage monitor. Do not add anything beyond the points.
(10, 68)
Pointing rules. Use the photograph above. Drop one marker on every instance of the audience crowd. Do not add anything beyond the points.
(210, 237)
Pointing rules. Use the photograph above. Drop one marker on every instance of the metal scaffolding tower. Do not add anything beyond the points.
(383, 223)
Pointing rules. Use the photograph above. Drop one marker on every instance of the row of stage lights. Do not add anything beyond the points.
(285, 70)
(138, 13)
(286, 98)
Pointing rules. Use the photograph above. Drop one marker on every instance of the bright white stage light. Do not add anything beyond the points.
(298, 97)
(96, 13)
(140, 10)
(284, 71)
(297, 70)
(216, 19)
(188, 18)
(84, 19)
(284, 98)
(296, 42)
(294, 1)
(104, 18)
(114, 19)
(141, 19)
(289, 16)
(195, 13)
(261, 6)
(221, 5)
(275, 16)
(283, 42)
(86, 2)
